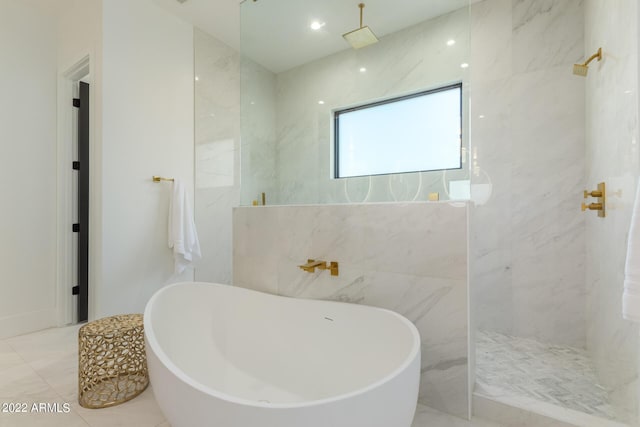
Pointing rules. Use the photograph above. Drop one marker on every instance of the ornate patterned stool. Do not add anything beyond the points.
(112, 361)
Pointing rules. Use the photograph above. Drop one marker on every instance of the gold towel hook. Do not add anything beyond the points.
(159, 178)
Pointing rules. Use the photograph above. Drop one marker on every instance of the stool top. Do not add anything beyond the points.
(113, 324)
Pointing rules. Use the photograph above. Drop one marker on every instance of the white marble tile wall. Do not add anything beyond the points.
(410, 60)
(528, 136)
(612, 157)
(217, 151)
(411, 258)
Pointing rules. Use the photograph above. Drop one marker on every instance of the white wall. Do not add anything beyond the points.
(79, 38)
(612, 157)
(147, 112)
(147, 115)
(79, 31)
(27, 167)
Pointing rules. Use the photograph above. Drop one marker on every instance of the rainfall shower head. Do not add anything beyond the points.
(580, 70)
(362, 36)
(583, 69)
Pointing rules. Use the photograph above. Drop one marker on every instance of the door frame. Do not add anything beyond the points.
(67, 81)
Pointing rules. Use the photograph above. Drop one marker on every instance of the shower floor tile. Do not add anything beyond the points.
(559, 375)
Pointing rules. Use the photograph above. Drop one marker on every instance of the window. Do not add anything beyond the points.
(413, 133)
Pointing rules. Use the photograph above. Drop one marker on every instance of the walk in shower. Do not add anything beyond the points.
(546, 279)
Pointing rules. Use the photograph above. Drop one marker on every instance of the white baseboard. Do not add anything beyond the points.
(25, 323)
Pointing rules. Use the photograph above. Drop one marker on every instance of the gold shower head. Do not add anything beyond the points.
(583, 69)
(362, 36)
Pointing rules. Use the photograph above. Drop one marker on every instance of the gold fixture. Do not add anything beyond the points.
(434, 197)
(112, 361)
(594, 193)
(583, 69)
(312, 264)
(601, 195)
(592, 206)
(159, 178)
(263, 199)
(362, 36)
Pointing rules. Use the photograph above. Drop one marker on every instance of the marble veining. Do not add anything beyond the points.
(546, 33)
(528, 128)
(410, 60)
(410, 258)
(555, 374)
(612, 157)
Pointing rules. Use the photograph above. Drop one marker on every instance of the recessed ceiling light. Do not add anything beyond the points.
(363, 70)
(197, 78)
(451, 42)
(464, 65)
(321, 102)
(481, 116)
(316, 25)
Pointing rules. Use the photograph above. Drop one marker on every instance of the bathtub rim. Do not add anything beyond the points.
(152, 342)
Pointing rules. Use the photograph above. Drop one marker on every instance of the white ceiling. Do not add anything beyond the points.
(276, 33)
(220, 18)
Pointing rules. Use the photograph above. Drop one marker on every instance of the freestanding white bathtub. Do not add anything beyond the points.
(224, 356)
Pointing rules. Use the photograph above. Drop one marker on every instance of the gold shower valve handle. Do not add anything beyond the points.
(332, 267)
(594, 193)
(600, 194)
(592, 207)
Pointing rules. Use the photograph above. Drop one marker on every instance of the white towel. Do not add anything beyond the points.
(183, 237)
(631, 296)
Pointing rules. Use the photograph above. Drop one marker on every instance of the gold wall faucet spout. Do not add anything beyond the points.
(312, 264)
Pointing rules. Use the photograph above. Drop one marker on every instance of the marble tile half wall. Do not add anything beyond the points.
(410, 258)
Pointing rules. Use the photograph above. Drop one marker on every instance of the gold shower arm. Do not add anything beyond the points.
(597, 55)
(361, 6)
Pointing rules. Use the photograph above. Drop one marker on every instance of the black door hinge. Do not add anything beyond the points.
(76, 166)
(76, 228)
(76, 102)
(75, 290)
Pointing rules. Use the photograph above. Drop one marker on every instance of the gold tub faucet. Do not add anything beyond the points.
(312, 264)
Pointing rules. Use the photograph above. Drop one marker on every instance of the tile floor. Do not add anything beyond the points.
(559, 375)
(42, 368)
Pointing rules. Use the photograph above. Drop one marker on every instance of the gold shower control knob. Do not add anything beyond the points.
(594, 193)
(592, 207)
